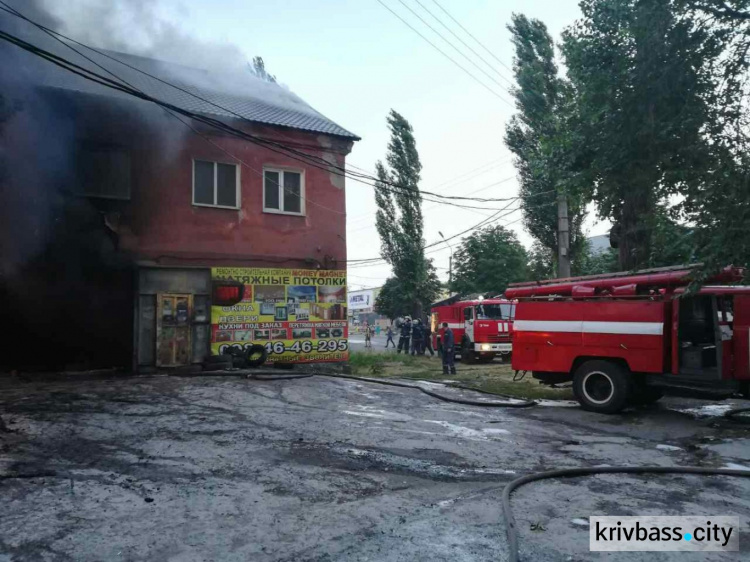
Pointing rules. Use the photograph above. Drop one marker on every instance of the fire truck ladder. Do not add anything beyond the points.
(622, 283)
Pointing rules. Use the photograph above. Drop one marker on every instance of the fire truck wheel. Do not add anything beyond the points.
(601, 386)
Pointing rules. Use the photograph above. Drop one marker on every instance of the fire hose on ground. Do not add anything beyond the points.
(510, 521)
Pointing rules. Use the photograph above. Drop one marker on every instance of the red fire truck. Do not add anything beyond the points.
(629, 338)
(481, 327)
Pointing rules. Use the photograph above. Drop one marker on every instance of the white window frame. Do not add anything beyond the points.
(281, 171)
(237, 184)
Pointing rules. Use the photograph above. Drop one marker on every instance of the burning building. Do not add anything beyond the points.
(117, 210)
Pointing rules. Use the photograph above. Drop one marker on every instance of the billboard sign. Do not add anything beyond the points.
(299, 315)
(361, 300)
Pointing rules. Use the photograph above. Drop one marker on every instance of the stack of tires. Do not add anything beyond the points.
(235, 358)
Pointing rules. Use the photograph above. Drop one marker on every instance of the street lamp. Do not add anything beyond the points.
(450, 259)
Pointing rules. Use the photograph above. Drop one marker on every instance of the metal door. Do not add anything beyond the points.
(468, 323)
(173, 330)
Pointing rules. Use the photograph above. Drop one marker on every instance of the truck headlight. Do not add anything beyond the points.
(486, 347)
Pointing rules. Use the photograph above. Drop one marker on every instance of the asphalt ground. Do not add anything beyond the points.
(322, 469)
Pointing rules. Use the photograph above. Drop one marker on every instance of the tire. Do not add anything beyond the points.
(256, 355)
(602, 386)
(467, 353)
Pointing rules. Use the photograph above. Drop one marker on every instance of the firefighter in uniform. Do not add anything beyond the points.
(427, 340)
(449, 343)
(403, 339)
(416, 336)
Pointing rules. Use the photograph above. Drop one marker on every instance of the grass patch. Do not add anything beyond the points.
(493, 377)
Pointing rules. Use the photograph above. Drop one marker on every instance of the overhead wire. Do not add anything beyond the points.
(457, 180)
(206, 138)
(459, 51)
(438, 49)
(485, 222)
(123, 87)
(480, 57)
(269, 144)
(472, 36)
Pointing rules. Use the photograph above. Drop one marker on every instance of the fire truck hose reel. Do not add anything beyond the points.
(510, 522)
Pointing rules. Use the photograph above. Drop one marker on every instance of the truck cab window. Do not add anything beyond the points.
(468, 313)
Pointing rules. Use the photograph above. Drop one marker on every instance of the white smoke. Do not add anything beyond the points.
(139, 27)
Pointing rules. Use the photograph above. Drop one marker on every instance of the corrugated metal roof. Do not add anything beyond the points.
(230, 95)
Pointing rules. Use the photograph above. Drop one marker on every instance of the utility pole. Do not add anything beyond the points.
(450, 260)
(563, 237)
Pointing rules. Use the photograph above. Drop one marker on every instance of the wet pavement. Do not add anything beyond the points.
(357, 343)
(321, 469)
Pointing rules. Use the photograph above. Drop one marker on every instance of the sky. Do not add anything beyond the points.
(353, 60)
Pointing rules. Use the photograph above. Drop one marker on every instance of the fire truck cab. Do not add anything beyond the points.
(630, 338)
(481, 327)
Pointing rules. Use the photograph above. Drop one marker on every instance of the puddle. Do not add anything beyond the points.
(372, 412)
(709, 411)
(468, 433)
(668, 448)
(557, 403)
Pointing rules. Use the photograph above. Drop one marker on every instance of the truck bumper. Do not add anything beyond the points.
(493, 347)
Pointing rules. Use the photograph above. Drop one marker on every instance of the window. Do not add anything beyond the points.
(495, 311)
(104, 172)
(215, 184)
(468, 313)
(283, 192)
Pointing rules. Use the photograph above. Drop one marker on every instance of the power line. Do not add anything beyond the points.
(269, 144)
(211, 122)
(438, 49)
(472, 36)
(52, 34)
(459, 51)
(485, 222)
(465, 44)
(464, 177)
(371, 226)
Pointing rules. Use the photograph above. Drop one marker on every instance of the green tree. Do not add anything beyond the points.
(541, 264)
(595, 263)
(258, 68)
(487, 260)
(540, 137)
(392, 300)
(643, 76)
(718, 206)
(399, 218)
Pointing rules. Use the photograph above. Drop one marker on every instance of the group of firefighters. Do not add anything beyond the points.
(415, 337)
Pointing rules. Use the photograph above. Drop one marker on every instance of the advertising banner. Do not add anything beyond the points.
(361, 300)
(299, 315)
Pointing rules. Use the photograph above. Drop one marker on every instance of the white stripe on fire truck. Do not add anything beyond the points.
(633, 328)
